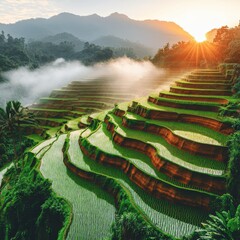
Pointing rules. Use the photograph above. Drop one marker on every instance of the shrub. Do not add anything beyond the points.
(29, 209)
(231, 110)
(233, 170)
(236, 125)
(2, 148)
(4, 160)
(223, 203)
(236, 88)
(51, 219)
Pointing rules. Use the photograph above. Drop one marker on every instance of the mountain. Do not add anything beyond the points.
(65, 37)
(151, 33)
(115, 42)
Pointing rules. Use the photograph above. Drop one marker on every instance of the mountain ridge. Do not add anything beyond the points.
(150, 33)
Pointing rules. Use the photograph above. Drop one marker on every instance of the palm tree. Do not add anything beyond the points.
(11, 119)
(222, 226)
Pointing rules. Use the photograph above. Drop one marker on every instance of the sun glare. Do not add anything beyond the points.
(200, 38)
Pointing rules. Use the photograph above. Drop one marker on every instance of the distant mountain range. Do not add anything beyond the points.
(116, 30)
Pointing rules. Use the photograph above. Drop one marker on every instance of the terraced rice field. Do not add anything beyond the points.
(197, 137)
(91, 206)
(90, 95)
(167, 151)
(160, 212)
(170, 160)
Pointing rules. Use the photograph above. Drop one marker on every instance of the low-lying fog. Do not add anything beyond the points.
(28, 85)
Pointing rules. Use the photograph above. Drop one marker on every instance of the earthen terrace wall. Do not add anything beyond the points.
(193, 106)
(179, 117)
(151, 185)
(203, 181)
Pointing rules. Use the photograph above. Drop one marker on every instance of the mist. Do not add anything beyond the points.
(28, 85)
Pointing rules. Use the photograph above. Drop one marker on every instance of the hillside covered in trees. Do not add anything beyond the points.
(224, 48)
(15, 52)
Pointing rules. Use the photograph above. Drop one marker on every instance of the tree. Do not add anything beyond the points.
(11, 119)
(233, 171)
(222, 226)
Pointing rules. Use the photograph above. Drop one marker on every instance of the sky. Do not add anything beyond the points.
(195, 16)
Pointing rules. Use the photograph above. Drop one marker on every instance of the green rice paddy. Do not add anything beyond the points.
(197, 137)
(93, 209)
(179, 126)
(174, 219)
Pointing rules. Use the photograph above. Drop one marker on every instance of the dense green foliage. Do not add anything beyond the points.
(233, 172)
(28, 206)
(227, 41)
(186, 54)
(236, 88)
(223, 225)
(44, 52)
(12, 52)
(224, 48)
(92, 54)
(130, 225)
(222, 203)
(11, 136)
(232, 109)
(7, 147)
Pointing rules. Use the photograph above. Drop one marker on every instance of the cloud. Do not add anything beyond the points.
(12, 10)
(28, 85)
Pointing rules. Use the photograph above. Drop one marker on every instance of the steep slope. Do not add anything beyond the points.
(168, 155)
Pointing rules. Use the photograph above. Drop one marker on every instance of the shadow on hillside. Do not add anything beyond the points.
(91, 187)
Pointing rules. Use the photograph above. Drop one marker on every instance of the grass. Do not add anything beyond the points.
(93, 209)
(172, 154)
(175, 219)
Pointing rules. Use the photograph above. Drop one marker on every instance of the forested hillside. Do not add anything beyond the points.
(224, 48)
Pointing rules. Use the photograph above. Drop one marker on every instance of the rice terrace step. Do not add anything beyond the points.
(165, 153)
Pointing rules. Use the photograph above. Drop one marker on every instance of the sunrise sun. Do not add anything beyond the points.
(200, 38)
